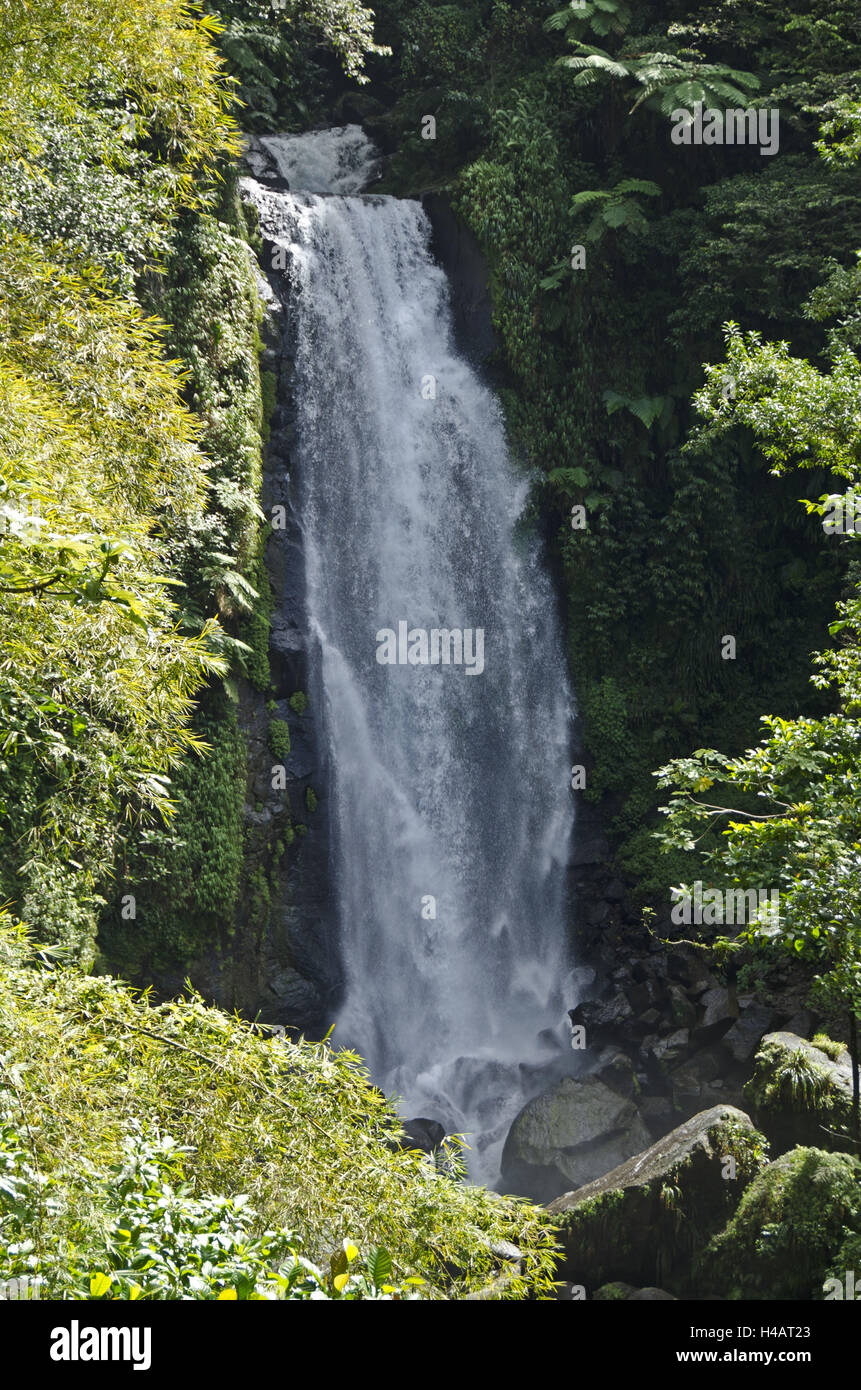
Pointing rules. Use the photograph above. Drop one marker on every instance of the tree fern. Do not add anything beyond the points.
(602, 17)
(668, 81)
(615, 208)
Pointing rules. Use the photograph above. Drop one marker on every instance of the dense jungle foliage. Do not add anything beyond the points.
(221, 1162)
(677, 350)
(553, 133)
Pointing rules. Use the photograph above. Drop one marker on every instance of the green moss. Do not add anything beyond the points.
(797, 1099)
(299, 702)
(605, 709)
(252, 226)
(612, 1293)
(649, 1234)
(310, 799)
(186, 878)
(256, 624)
(790, 1227)
(832, 1049)
(279, 738)
(268, 389)
(260, 897)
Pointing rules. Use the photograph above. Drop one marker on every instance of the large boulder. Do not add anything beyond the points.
(801, 1095)
(569, 1135)
(603, 1019)
(643, 1222)
(797, 1223)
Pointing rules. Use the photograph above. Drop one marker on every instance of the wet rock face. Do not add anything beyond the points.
(281, 963)
(458, 252)
(569, 1135)
(298, 976)
(261, 163)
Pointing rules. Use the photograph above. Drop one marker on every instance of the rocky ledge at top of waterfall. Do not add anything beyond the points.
(339, 160)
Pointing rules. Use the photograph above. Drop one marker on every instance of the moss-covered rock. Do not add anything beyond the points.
(619, 1292)
(801, 1095)
(646, 1220)
(793, 1227)
(616, 1292)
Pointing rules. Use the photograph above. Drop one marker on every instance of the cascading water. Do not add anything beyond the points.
(453, 815)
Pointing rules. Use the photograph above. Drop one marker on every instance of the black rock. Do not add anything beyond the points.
(425, 1135)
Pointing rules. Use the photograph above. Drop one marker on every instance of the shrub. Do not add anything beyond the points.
(261, 1150)
(279, 739)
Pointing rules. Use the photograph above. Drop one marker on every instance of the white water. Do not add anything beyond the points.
(445, 784)
(340, 160)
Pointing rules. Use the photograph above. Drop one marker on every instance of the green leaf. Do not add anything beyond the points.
(616, 214)
(379, 1265)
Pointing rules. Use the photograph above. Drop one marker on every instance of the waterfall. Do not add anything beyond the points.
(452, 811)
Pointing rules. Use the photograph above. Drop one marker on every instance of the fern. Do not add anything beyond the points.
(651, 190)
(589, 195)
(614, 209)
(668, 82)
(646, 408)
(803, 1081)
(601, 16)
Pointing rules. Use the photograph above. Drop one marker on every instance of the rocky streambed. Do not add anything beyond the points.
(663, 1039)
(704, 1148)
